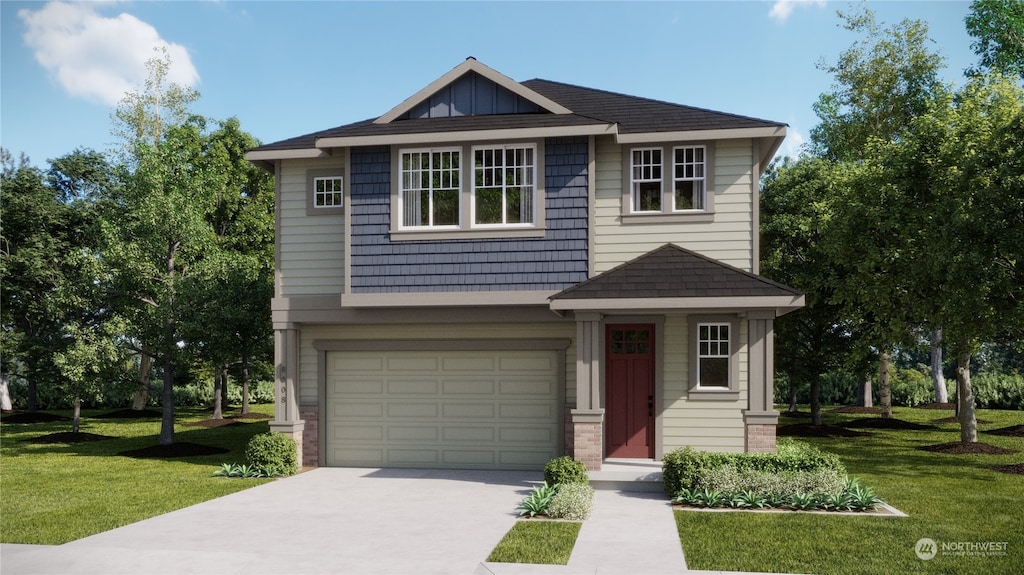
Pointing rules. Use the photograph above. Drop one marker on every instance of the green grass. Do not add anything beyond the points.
(537, 541)
(949, 498)
(55, 493)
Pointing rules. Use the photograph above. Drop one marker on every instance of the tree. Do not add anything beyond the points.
(154, 229)
(997, 27)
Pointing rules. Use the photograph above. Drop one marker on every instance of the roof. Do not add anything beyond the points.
(674, 273)
(575, 109)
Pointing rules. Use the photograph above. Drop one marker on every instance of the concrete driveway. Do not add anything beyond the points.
(327, 520)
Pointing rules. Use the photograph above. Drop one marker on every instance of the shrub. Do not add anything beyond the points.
(910, 387)
(999, 391)
(565, 470)
(685, 467)
(572, 501)
(538, 500)
(272, 454)
(728, 479)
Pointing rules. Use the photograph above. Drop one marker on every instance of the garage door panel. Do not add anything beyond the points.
(461, 409)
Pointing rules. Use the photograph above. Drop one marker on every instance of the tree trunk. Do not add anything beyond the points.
(245, 383)
(218, 382)
(793, 389)
(864, 398)
(77, 417)
(884, 389)
(938, 378)
(816, 400)
(167, 401)
(965, 399)
(5, 394)
(32, 396)
(141, 397)
(224, 401)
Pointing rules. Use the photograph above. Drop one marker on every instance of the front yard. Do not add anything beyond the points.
(973, 513)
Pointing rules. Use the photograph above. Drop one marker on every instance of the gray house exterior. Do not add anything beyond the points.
(495, 273)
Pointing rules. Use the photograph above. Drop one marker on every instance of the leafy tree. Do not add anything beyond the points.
(997, 27)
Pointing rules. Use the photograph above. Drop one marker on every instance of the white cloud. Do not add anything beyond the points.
(794, 143)
(781, 9)
(97, 57)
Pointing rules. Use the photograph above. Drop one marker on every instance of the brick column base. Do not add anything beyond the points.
(761, 437)
(309, 447)
(587, 444)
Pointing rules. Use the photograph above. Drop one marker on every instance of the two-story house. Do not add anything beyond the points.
(495, 273)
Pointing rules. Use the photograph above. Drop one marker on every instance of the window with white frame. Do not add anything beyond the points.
(688, 168)
(430, 188)
(645, 170)
(328, 192)
(713, 352)
(504, 185)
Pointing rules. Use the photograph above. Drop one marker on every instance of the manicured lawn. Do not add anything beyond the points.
(55, 493)
(537, 541)
(949, 498)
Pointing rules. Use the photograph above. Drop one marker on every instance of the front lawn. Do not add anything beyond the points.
(52, 493)
(537, 541)
(958, 501)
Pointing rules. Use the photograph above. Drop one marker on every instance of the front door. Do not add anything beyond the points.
(629, 390)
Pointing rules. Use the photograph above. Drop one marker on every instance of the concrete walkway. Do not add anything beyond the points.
(364, 521)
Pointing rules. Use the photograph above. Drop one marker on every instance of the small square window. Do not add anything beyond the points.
(328, 192)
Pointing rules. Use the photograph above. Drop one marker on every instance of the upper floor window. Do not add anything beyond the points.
(688, 177)
(328, 192)
(430, 188)
(668, 183)
(503, 185)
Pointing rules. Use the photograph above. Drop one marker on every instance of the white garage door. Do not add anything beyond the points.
(442, 409)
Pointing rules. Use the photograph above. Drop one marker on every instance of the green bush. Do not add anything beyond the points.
(728, 479)
(538, 501)
(684, 467)
(572, 501)
(565, 470)
(999, 391)
(910, 387)
(272, 454)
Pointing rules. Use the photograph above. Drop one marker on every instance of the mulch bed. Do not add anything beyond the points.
(26, 417)
(130, 414)
(808, 430)
(174, 450)
(68, 437)
(959, 448)
(955, 419)
(947, 405)
(1012, 431)
(882, 423)
(857, 409)
(795, 414)
(214, 423)
(1013, 468)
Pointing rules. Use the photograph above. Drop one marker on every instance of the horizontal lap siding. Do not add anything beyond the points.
(702, 424)
(308, 356)
(312, 248)
(728, 238)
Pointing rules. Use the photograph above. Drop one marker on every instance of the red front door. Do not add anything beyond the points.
(629, 390)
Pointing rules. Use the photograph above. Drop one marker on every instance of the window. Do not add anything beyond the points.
(668, 183)
(688, 178)
(714, 350)
(503, 185)
(429, 188)
(713, 355)
(646, 180)
(328, 192)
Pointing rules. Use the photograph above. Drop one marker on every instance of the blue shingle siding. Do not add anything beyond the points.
(554, 262)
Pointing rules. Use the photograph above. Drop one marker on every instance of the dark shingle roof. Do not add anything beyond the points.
(674, 272)
(590, 107)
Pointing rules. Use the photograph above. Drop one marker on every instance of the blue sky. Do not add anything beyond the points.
(290, 68)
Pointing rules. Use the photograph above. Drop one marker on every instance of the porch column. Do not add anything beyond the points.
(286, 387)
(760, 418)
(588, 417)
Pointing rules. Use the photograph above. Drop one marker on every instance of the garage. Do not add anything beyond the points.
(473, 409)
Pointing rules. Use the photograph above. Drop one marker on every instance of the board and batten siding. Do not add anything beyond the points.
(700, 423)
(308, 377)
(729, 238)
(311, 257)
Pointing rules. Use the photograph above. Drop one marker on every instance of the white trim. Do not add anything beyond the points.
(317, 194)
(532, 184)
(286, 154)
(703, 178)
(783, 304)
(691, 135)
(467, 136)
(457, 151)
(472, 65)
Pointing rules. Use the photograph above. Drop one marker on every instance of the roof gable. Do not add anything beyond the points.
(471, 89)
(674, 272)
